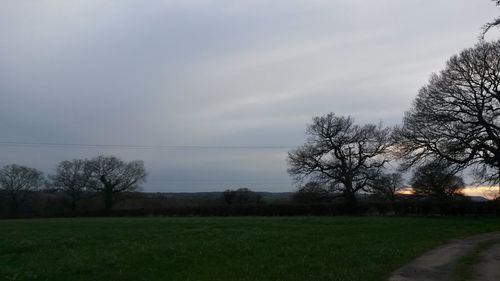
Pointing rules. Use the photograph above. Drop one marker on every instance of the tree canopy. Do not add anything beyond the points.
(388, 185)
(72, 177)
(437, 180)
(341, 154)
(17, 182)
(113, 176)
(456, 116)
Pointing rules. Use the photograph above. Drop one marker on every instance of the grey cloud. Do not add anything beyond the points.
(213, 73)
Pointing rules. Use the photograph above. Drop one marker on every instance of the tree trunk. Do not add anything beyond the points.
(74, 198)
(393, 202)
(497, 199)
(107, 193)
(350, 198)
(349, 195)
(108, 199)
(14, 204)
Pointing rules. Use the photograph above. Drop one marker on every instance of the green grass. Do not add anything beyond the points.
(339, 248)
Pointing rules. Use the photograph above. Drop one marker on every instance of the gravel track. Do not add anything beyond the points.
(441, 262)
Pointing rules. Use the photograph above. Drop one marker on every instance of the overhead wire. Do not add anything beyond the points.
(151, 147)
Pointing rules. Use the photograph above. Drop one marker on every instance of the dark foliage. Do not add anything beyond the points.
(44, 204)
(17, 183)
(240, 196)
(313, 192)
(436, 180)
(387, 186)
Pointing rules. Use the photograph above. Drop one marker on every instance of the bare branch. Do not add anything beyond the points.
(340, 154)
(455, 117)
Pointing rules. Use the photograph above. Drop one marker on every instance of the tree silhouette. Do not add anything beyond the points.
(436, 180)
(388, 186)
(340, 154)
(18, 182)
(240, 196)
(113, 176)
(456, 116)
(313, 192)
(72, 178)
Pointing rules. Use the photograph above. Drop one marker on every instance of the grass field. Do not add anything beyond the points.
(339, 248)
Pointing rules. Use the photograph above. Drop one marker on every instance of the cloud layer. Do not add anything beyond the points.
(223, 73)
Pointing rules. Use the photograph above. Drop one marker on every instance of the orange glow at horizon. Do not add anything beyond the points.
(406, 190)
(489, 192)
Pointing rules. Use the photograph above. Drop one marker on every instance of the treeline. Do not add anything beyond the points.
(25, 190)
(50, 202)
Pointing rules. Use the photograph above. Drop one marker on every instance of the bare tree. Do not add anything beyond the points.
(340, 154)
(113, 176)
(72, 178)
(491, 24)
(456, 116)
(436, 180)
(388, 186)
(17, 182)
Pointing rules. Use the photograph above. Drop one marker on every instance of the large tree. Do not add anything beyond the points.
(113, 177)
(343, 155)
(456, 116)
(72, 177)
(436, 180)
(17, 182)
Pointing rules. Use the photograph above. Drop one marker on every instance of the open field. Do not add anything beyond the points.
(339, 248)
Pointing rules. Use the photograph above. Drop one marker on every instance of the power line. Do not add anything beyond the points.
(221, 182)
(147, 147)
(216, 182)
(157, 179)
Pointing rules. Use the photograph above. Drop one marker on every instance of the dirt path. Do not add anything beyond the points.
(441, 263)
(488, 268)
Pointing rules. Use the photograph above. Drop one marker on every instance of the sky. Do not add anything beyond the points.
(237, 79)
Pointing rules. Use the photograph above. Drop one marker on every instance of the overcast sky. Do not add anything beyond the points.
(213, 73)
